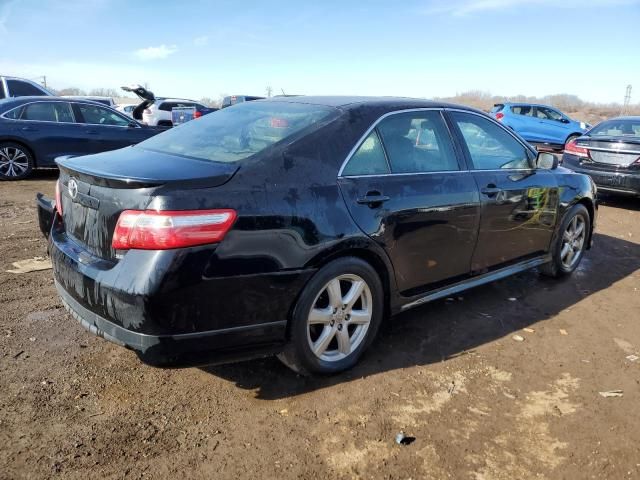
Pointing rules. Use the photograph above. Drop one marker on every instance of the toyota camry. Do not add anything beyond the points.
(294, 226)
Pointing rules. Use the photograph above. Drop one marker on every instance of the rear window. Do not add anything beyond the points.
(18, 88)
(617, 128)
(233, 134)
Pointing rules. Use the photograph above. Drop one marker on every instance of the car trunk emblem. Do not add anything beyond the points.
(73, 189)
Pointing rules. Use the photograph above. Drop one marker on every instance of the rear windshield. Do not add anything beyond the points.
(233, 134)
(617, 128)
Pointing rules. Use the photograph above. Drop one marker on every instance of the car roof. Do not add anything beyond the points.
(15, 101)
(528, 103)
(169, 99)
(393, 103)
(624, 117)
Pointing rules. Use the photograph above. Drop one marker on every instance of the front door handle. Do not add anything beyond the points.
(29, 129)
(491, 190)
(92, 132)
(373, 199)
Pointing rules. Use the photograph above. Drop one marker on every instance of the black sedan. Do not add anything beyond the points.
(36, 130)
(293, 226)
(610, 154)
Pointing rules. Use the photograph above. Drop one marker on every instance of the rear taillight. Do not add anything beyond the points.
(499, 116)
(163, 230)
(58, 199)
(573, 149)
(197, 114)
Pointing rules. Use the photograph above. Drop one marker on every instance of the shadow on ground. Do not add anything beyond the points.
(624, 202)
(446, 329)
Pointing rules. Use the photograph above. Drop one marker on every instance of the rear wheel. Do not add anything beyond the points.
(16, 162)
(570, 244)
(336, 318)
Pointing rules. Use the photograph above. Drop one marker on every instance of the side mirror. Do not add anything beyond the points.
(564, 120)
(546, 161)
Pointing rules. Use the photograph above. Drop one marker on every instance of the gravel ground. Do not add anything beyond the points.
(480, 404)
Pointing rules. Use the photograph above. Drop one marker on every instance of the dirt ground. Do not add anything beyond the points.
(479, 404)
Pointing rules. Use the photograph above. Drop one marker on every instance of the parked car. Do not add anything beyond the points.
(294, 225)
(610, 154)
(108, 101)
(36, 130)
(156, 111)
(11, 87)
(126, 109)
(233, 99)
(539, 124)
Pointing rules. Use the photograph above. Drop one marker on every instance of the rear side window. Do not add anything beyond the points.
(48, 112)
(18, 88)
(369, 159)
(96, 115)
(418, 142)
(490, 146)
(525, 110)
(233, 134)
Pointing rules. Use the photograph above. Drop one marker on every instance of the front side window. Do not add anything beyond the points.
(233, 134)
(548, 114)
(369, 159)
(490, 146)
(96, 115)
(47, 112)
(417, 142)
(18, 88)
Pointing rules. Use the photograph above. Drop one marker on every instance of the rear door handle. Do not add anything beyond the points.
(490, 190)
(373, 199)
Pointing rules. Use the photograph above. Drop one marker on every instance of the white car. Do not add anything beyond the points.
(126, 109)
(156, 111)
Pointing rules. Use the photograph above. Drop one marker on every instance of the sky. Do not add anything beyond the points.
(417, 48)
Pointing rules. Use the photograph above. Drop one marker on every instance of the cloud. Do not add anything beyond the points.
(155, 53)
(465, 7)
(201, 41)
(5, 12)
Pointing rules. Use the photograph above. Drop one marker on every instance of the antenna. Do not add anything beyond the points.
(627, 99)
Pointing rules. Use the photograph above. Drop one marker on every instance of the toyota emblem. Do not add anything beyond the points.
(73, 188)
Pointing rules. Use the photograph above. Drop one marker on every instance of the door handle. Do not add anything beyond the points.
(29, 129)
(490, 190)
(93, 132)
(373, 199)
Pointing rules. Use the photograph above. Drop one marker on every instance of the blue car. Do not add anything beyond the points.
(539, 124)
(36, 130)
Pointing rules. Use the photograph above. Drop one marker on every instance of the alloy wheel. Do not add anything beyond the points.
(339, 318)
(13, 162)
(573, 242)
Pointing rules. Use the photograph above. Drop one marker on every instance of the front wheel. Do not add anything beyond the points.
(570, 243)
(16, 162)
(335, 319)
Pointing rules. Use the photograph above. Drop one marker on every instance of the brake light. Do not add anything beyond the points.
(573, 149)
(197, 114)
(499, 116)
(163, 230)
(58, 199)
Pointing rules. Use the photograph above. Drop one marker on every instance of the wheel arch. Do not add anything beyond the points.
(591, 208)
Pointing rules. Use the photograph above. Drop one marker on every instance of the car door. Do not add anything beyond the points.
(406, 188)
(524, 123)
(552, 125)
(49, 129)
(105, 128)
(519, 202)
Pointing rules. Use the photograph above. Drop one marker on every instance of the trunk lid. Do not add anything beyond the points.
(95, 189)
(614, 151)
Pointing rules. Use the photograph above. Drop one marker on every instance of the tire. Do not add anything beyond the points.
(16, 161)
(568, 249)
(340, 335)
(571, 138)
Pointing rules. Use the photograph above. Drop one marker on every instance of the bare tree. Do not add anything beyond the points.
(104, 92)
(71, 91)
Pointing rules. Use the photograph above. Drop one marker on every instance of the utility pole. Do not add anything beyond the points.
(627, 100)
(42, 79)
(269, 91)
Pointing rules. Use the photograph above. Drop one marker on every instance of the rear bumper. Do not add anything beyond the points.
(186, 350)
(175, 307)
(620, 181)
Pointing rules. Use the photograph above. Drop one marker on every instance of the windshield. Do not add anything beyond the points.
(617, 128)
(233, 134)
